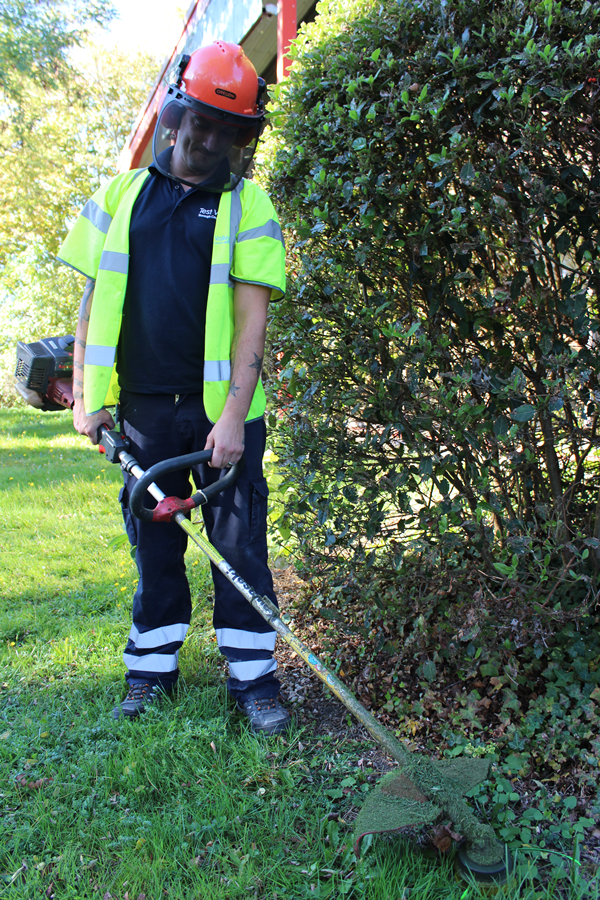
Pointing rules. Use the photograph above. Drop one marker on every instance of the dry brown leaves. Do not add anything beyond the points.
(36, 785)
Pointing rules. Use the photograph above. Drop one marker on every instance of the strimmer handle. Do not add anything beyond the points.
(112, 444)
(174, 504)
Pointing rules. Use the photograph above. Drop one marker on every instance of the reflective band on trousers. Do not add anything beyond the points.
(151, 662)
(271, 229)
(97, 216)
(96, 355)
(217, 370)
(113, 261)
(250, 671)
(245, 640)
(158, 637)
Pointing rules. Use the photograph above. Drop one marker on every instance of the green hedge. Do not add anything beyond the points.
(435, 164)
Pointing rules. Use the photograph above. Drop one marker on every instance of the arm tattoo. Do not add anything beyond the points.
(234, 343)
(78, 374)
(77, 381)
(233, 387)
(257, 364)
(84, 312)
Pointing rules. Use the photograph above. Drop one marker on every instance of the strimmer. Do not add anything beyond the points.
(420, 790)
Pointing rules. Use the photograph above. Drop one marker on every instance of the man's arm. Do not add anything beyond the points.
(83, 423)
(250, 305)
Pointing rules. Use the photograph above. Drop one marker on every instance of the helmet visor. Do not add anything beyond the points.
(212, 150)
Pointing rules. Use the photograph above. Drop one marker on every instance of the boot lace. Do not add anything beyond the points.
(138, 692)
(264, 704)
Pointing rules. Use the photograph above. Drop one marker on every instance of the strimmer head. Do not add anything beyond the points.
(494, 874)
(396, 802)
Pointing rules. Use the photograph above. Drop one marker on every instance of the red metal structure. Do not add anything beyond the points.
(287, 28)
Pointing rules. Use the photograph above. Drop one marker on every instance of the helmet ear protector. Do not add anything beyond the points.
(260, 97)
(181, 67)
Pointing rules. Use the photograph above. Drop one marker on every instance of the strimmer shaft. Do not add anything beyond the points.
(480, 838)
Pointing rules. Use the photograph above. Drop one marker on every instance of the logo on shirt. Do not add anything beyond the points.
(207, 213)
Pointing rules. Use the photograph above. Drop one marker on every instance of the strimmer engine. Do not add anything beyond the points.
(44, 372)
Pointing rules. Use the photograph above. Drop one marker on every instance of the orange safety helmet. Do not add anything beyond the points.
(217, 84)
(222, 76)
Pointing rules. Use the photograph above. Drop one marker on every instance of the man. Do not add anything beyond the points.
(181, 261)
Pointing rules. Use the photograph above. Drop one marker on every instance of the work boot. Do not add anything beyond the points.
(139, 697)
(267, 716)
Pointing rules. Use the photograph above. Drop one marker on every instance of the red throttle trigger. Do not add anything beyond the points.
(166, 508)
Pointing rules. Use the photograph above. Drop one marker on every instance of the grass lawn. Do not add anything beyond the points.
(185, 802)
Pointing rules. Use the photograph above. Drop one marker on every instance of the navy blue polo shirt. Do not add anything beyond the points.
(161, 344)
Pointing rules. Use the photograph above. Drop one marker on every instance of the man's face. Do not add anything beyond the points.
(200, 146)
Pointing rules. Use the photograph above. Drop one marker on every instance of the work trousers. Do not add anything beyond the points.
(161, 426)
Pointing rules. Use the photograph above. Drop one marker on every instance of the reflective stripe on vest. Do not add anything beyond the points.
(219, 308)
(97, 216)
(219, 273)
(217, 370)
(270, 229)
(114, 261)
(96, 355)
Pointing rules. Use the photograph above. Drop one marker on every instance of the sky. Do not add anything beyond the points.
(151, 25)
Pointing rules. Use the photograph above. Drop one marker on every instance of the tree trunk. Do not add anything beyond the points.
(553, 469)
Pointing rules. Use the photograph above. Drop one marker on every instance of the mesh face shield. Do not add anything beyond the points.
(212, 148)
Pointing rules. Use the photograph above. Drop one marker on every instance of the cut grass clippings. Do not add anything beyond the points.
(184, 802)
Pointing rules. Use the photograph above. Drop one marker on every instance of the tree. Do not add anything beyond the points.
(36, 37)
(436, 168)
(71, 144)
(43, 96)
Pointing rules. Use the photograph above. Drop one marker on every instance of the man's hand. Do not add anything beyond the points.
(89, 425)
(226, 440)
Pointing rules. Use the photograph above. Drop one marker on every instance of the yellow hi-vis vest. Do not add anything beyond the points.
(247, 246)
